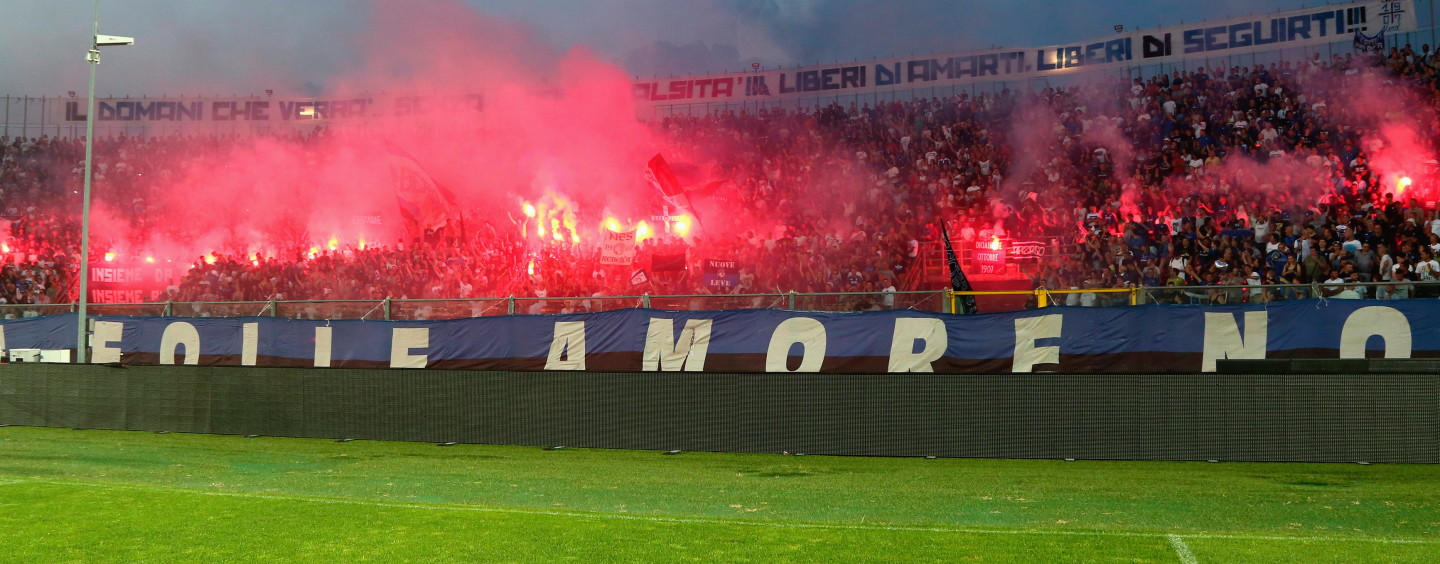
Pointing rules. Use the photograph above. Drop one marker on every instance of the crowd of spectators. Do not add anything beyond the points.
(1236, 176)
(1216, 177)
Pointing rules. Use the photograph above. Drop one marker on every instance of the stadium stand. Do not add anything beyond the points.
(1235, 177)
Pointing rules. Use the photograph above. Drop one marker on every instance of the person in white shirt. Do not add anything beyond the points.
(1387, 272)
(1332, 286)
(1433, 225)
(1180, 263)
(1273, 244)
(887, 293)
(1261, 226)
(1351, 245)
(1400, 274)
(1253, 284)
(1427, 268)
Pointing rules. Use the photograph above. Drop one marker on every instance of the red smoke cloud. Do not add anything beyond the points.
(552, 122)
(1396, 123)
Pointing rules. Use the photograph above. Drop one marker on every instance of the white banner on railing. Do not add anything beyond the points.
(1297, 28)
(239, 110)
(1368, 22)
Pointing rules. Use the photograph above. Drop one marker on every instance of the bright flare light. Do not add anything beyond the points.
(209, 259)
(612, 224)
(334, 243)
(150, 260)
(681, 226)
(5, 248)
(1401, 184)
(109, 257)
(642, 231)
(994, 243)
(529, 210)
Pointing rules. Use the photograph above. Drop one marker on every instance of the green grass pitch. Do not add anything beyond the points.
(112, 496)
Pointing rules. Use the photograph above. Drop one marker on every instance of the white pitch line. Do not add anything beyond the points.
(1182, 549)
(702, 520)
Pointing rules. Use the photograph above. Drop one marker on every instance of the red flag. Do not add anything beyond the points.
(659, 174)
(421, 200)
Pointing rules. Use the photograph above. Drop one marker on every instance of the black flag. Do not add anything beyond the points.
(1364, 43)
(958, 282)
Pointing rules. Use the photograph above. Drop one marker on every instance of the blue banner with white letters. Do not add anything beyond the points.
(1152, 338)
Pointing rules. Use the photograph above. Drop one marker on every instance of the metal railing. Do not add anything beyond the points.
(1203, 295)
(1220, 295)
(421, 309)
(942, 301)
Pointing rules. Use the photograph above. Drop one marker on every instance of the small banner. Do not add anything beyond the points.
(1366, 43)
(618, 248)
(1025, 250)
(668, 263)
(129, 283)
(989, 257)
(721, 275)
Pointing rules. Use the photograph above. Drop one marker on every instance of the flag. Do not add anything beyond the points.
(958, 282)
(1364, 43)
(664, 179)
(668, 263)
(640, 278)
(660, 175)
(755, 86)
(423, 202)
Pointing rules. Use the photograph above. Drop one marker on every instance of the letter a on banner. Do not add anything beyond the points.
(567, 348)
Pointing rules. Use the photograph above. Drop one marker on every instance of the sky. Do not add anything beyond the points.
(301, 47)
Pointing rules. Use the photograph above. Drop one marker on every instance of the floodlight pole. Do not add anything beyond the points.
(81, 331)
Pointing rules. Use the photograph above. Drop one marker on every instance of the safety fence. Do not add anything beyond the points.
(941, 301)
(1197, 295)
(422, 309)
